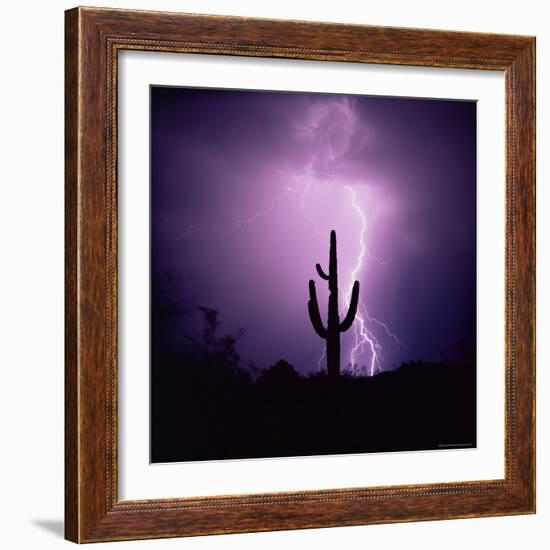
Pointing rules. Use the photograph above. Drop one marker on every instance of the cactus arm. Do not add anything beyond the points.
(314, 315)
(322, 274)
(348, 321)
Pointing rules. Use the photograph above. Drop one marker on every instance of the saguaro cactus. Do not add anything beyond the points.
(332, 333)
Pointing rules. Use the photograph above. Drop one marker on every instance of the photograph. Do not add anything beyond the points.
(312, 274)
(274, 275)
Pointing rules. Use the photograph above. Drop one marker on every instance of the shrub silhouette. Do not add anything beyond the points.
(280, 373)
(212, 351)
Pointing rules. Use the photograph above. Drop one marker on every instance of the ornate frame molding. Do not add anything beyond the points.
(93, 38)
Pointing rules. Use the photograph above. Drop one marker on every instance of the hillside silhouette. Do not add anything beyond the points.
(205, 406)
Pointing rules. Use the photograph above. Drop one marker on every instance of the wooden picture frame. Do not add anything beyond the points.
(93, 511)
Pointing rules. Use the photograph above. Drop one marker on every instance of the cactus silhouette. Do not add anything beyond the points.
(334, 327)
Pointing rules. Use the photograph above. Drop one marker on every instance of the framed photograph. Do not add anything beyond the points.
(300, 275)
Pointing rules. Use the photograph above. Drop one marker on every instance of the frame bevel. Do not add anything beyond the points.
(92, 39)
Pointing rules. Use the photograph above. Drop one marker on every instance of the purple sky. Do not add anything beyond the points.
(246, 186)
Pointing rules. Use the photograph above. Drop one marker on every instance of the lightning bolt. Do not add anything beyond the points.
(363, 337)
(326, 133)
(288, 190)
(320, 365)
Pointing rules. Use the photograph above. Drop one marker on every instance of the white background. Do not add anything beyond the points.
(31, 289)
